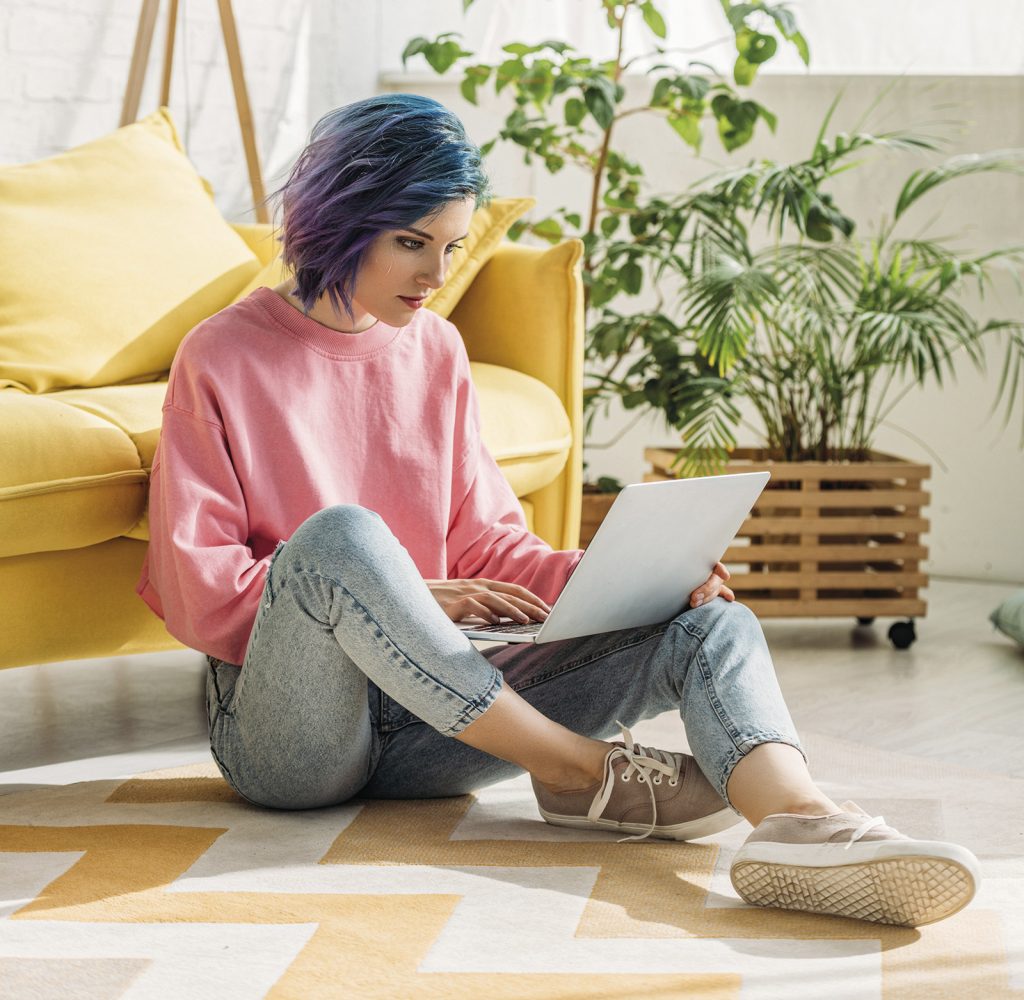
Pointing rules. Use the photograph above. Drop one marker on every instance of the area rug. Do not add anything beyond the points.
(167, 885)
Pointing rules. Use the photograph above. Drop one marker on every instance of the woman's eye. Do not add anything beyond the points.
(418, 244)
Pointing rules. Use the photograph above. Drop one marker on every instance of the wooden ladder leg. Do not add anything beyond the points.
(172, 27)
(227, 21)
(140, 58)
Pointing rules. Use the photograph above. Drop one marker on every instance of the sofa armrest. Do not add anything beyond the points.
(524, 310)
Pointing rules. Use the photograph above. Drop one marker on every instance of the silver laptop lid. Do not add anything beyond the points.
(655, 546)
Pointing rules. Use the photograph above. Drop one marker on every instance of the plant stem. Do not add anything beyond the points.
(602, 161)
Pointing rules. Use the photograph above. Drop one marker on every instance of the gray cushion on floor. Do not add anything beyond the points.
(1009, 617)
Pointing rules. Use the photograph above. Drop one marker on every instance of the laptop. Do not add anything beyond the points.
(656, 545)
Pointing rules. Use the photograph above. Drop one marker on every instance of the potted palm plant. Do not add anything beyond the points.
(818, 333)
(568, 108)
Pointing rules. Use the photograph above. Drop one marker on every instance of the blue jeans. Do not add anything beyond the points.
(355, 680)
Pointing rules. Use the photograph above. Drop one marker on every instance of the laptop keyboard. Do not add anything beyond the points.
(519, 629)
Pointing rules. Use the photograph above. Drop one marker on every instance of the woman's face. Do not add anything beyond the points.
(400, 265)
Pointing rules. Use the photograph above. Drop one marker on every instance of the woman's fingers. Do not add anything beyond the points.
(514, 590)
(491, 606)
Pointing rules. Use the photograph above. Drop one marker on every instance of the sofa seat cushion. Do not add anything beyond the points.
(74, 465)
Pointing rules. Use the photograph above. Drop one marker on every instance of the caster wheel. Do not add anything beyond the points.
(865, 620)
(902, 634)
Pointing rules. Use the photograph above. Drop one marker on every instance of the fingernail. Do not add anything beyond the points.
(700, 598)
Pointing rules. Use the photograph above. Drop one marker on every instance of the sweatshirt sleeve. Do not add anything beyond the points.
(202, 577)
(487, 533)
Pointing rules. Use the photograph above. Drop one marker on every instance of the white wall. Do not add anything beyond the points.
(63, 65)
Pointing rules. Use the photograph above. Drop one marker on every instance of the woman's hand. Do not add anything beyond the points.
(714, 586)
(489, 599)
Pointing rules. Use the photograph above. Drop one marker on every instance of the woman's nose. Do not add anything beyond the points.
(434, 276)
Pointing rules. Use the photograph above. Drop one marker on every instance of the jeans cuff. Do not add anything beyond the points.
(475, 708)
(743, 750)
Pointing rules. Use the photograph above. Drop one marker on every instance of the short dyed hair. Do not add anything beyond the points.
(377, 164)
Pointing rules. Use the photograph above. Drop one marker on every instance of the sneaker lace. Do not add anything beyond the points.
(868, 824)
(644, 762)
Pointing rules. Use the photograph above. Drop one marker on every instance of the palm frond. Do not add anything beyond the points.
(722, 305)
(921, 182)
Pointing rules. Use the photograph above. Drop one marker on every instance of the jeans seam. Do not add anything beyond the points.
(740, 747)
(471, 704)
(587, 660)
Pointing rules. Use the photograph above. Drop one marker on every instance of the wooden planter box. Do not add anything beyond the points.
(595, 506)
(827, 539)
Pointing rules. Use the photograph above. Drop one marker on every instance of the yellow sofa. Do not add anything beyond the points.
(83, 371)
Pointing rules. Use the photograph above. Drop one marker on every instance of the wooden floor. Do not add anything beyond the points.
(956, 695)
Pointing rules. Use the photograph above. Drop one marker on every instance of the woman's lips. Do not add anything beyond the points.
(413, 303)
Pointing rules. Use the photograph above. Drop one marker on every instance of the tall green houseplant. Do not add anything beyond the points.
(567, 107)
(823, 330)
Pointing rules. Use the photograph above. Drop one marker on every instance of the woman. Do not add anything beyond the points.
(323, 510)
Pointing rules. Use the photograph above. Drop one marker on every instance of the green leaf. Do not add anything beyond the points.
(468, 89)
(659, 98)
(548, 229)
(575, 111)
(600, 107)
(921, 182)
(632, 277)
(688, 128)
(509, 70)
(442, 56)
(414, 47)
(755, 47)
(736, 120)
(743, 72)
(801, 46)
(609, 224)
(654, 20)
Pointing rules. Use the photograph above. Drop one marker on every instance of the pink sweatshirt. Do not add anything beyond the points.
(271, 416)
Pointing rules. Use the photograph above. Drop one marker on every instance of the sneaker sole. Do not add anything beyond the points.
(905, 883)
(705, 826)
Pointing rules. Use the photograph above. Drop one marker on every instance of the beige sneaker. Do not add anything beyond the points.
(852, 865)
(644, 791)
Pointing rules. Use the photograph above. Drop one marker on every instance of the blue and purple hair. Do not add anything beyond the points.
(377, 164)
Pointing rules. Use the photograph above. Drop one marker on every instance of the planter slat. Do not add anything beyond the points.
(827, 538)
(835, 580)
(800, 552)
(855, 607)
(883, 467)
(783, 499)
(870, 526)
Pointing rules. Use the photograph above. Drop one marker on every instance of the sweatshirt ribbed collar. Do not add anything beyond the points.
(349, 346)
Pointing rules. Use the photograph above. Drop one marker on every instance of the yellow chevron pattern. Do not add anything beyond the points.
(168, 885)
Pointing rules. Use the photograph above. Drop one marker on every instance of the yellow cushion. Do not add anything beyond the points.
(523, 424)
(486, 230)
(112, 252)
(72, 465)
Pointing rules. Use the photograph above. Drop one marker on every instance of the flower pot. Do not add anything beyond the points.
(828, 538)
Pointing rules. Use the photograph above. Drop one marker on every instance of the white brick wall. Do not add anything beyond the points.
(64, 66)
